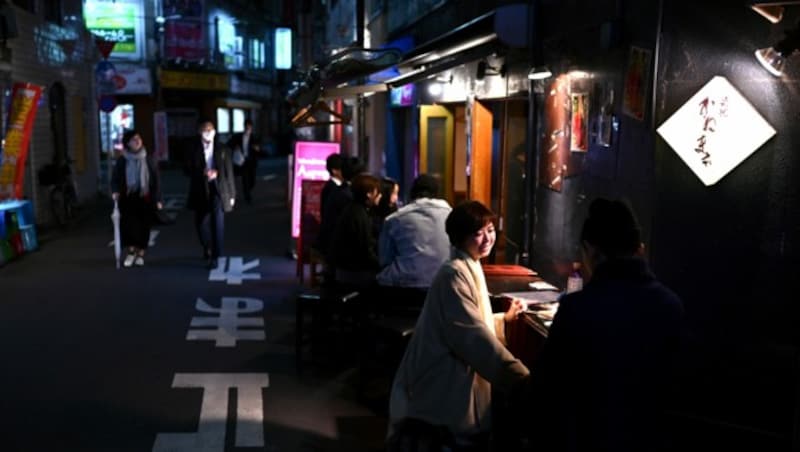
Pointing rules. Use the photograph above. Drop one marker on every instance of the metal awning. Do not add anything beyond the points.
(476, 39)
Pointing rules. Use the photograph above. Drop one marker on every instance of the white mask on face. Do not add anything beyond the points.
(208, 135)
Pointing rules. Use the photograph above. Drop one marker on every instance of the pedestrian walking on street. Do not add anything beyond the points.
(246, 143)
(212, 188)
(135, 185)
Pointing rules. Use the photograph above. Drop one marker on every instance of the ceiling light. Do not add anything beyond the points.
(539, 73)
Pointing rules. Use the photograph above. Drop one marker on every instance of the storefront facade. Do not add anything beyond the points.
(53, 55)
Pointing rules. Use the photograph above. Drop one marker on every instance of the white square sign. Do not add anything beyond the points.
(715, 130)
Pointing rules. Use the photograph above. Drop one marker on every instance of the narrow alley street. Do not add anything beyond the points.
(170, 356)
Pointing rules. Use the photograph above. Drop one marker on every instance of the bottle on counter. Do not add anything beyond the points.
(575, 279)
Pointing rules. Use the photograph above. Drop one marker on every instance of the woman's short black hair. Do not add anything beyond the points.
(128, 134)
(466, 219)
(612, 228)
(362, 185)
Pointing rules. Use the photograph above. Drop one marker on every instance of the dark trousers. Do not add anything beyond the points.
(248, 172)
(135, 220)
(210, 224)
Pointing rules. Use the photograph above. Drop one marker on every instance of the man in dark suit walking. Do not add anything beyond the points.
(212, 190)
(246, 143)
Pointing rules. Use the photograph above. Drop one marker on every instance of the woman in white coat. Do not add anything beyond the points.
(444, 382)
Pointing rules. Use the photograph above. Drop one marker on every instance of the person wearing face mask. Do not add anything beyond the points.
(247, 144)
(212, 189)
(442, 390)
(135, 186)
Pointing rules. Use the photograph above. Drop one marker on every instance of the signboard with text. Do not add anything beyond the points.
(24, 102)
(309, 164)
(121, 21)
(715, 130)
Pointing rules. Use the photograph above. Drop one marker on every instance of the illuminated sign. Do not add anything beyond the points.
(309, 164)
(119, 21)
(715, 130)
(283, 48)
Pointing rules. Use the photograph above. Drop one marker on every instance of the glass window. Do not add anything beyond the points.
(238, 120)
(223, 120)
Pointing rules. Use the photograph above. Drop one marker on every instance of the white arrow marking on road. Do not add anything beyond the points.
(151, 241)
(153, 234)
(174, 204)
(210, 435)
(227, 325)
(236, 270)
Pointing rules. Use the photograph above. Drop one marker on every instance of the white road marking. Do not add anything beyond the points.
(236, 270)
(228, 322)
(210, 435)
(269, 177)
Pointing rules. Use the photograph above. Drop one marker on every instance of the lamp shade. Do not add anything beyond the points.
(539, 73)
(772, 60)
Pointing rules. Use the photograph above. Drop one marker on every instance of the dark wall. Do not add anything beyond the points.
(729, 250)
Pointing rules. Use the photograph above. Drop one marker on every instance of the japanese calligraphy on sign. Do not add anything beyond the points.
(715, 130)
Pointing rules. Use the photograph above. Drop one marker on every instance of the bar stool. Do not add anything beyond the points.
(329, 307)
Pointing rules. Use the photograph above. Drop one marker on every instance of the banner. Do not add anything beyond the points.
(24, 101)
(309, 164)
(160, 137)
(184, 30)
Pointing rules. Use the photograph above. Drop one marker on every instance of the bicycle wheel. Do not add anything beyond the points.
(57, 206)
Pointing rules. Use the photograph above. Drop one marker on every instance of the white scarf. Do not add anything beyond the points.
(480, 282)
(137, 176)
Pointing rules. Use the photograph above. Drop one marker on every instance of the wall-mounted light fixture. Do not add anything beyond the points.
(774, 58)
(484, 69)
(539, 73)
(772, 11)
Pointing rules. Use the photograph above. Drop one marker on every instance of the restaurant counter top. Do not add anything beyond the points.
(526, 335)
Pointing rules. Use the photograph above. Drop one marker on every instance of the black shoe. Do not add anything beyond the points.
(211, 263)
(206, 253)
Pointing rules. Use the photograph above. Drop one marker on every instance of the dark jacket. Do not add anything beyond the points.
(353, 247)
(195, 168)
(335, 201)
(605, 369)
(119, 185)
(236, 143)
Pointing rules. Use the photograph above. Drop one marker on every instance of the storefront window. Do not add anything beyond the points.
(437, 146)
(223, 120)
(238, 120)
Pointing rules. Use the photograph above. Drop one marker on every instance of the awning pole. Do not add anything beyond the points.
(531, 183)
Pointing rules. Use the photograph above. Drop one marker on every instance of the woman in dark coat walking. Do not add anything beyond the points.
(135, 185)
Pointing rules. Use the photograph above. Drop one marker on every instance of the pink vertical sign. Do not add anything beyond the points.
(309, 164)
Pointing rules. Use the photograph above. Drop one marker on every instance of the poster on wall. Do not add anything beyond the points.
(579, 136)
(637, 76)
(184, 30)
(556, 139)
(21, 113)
(120, 21)
(715, 130)
(309, 164)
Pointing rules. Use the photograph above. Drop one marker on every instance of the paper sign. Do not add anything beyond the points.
(715, 130)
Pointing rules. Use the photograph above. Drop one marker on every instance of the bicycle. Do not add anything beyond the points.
(63, 194)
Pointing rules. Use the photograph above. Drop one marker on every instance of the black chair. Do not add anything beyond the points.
(331, 309)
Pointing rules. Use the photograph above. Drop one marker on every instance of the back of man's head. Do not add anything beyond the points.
(333, 162)
(612, 228)
(424, 186)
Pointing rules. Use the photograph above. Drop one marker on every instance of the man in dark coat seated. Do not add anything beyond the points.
(604, 372)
